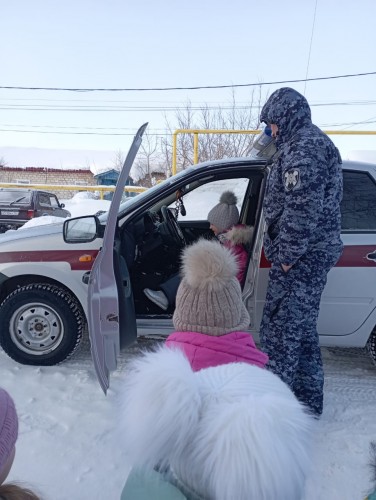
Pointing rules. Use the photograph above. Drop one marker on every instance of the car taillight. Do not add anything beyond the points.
(30, 214)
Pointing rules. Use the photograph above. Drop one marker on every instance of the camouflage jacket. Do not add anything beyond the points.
(302, 200)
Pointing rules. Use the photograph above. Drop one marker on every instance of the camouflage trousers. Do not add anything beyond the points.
(288, 331)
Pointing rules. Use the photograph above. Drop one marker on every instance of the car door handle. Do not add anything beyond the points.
(85, 278)
(372, 256)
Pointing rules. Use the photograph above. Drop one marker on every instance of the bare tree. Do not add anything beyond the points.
(148, 160)
(155, 154)
(118, 160)
(213, 146)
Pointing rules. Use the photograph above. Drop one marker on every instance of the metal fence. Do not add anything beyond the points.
(196, 133)
(71, 187)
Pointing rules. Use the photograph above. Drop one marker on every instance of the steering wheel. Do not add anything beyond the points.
(172, 227)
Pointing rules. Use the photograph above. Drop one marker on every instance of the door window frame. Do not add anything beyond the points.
(373, 180)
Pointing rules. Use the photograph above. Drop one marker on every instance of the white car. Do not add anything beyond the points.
(55, 279)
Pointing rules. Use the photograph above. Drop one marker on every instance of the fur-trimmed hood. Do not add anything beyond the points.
(239, 234)
(231, 431)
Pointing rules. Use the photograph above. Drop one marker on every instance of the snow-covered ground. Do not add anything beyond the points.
(69, 444)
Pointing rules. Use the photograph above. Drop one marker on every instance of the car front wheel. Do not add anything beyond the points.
(41, 324)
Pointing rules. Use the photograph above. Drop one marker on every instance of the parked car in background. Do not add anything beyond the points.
(19, 205)
(56, 279)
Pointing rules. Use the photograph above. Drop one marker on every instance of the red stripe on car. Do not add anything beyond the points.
(72, 257)
(352, 256)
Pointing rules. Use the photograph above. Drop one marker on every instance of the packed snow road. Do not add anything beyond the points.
(70, 443)
(346, 428)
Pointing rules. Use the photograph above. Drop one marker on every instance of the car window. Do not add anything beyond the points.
(15, 197)
(44, 200)
(200, 201)
(53, 201)
(358, 205)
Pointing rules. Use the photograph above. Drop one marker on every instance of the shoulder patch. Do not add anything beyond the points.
(291, 179)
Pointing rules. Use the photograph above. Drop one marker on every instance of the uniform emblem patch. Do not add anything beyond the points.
(292, 179)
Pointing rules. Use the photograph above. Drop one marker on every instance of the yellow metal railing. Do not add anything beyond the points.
(73, 187)
(196, 132)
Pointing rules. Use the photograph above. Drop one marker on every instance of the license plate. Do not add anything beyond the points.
(9, 212)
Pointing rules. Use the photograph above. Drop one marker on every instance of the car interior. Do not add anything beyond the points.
(152, 241)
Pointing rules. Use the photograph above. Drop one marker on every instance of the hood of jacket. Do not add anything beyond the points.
(288, 109)
(239, 234)
(204, 351)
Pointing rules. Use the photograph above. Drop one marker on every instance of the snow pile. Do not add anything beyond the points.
(85, 203)
(367, 156)
(40, 221)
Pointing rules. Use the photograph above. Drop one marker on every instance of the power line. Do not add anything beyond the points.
(73, 133)
(175, 104)
(167, 109)
(152, 132)
(348, 125)
(83, 127)
(258, 84)
(310, 47)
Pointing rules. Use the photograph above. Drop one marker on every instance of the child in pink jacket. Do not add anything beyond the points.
(210, 316)
(223, 219)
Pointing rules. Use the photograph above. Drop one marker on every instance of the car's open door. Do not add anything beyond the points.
(103, 296)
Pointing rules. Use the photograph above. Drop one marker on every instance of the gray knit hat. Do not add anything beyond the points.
(209, 298)
(8, 427)
(225, 214)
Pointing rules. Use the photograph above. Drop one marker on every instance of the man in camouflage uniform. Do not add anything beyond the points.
(302, 241)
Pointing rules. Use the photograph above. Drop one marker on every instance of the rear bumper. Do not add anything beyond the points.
(6, 224)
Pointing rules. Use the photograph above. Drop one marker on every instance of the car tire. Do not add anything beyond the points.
(42, 324)
(371, 345)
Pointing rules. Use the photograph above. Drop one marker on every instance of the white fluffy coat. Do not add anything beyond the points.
(234, 431)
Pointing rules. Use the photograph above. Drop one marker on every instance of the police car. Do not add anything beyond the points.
(92, 270)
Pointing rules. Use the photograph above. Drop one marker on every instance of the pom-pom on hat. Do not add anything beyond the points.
(225, 214)
(209, 298)
(8, 427)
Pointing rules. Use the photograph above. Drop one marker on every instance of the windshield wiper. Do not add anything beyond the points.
(18, 199)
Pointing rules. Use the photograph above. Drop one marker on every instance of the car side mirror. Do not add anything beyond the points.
(62, 205)
(82, 229)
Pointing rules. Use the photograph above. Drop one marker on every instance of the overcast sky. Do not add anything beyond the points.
(124, 44)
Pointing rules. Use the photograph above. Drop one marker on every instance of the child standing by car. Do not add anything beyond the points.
(210, 316)
(203, 407)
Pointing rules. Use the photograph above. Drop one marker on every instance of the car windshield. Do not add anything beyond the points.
(12, 197)
(149, 192)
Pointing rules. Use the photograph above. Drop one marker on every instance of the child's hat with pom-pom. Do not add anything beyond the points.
(209, 298)
(225, 214)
